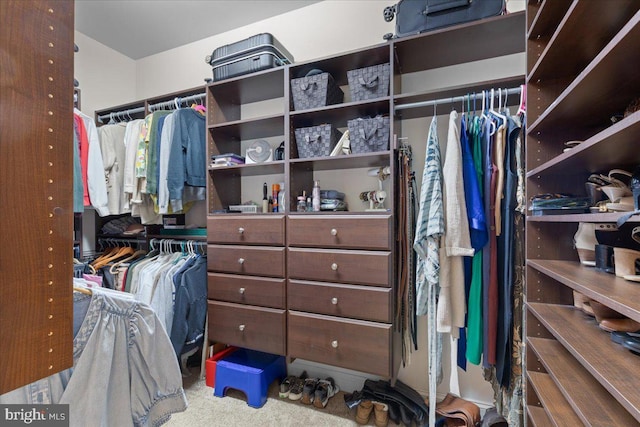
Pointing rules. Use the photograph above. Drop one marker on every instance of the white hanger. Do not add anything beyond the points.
(523, 100)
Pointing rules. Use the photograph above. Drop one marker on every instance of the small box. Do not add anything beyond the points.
(210, 365)
(368, 135)
(316, 141)
(369, 83)
(173, 221)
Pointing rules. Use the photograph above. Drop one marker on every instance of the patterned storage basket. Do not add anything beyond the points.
(369, 83)
(369, 135)
(317, 90)
(316, 141)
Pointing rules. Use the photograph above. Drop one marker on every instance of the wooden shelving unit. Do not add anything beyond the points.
(575, 374)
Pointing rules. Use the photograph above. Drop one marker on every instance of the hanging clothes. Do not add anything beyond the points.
(112, 143)
(78, 186)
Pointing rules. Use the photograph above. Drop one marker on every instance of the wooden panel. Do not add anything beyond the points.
(538, 416)
(547, 18)
(611, 364)
(36, 172)
(347, 232)
(358, 302)
(252, 327)
(338, 266)
(251, 260)
(587, 397)
(351, 344)
(555, 404)
(246, 229)
(264, 291)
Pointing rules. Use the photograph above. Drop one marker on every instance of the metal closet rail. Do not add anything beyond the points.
(166, 105)
(461, 98)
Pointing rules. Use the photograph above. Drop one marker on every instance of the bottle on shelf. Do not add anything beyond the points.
(281, 198)
(274, 197)
(309, 205)
(316, 196)
(265, 200)
(302, 203)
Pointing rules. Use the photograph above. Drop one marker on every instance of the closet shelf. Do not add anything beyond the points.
(567, 55)
(554, 402)
(368, 160)
(259, 127)
(605, 88)
(614, 292)
(547, 19)
(612, 365)
(591, 402)
(258, 86)
(254, 169)
(616, 144)
(538, 416)
(435, 47)
(585, 217)
(339, 114)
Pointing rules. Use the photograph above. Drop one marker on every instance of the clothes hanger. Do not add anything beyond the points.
(522, 109)
(133, 256)
(82, 290)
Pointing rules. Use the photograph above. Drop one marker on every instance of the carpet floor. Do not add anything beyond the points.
(205, 409)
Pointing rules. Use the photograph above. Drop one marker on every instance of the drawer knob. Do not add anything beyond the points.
(334, 343)
(240, 230)
(241, 290)
(334, 266)
(241, 328)
(240, 261)
(334, 301)
(334, 232)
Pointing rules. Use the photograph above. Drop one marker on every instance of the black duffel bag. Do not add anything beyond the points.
(419, 16)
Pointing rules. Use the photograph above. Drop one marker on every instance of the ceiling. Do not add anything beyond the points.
(139, 28)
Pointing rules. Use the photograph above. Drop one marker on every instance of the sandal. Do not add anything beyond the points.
(626, 262)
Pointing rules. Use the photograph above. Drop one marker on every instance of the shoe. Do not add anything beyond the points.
(585, 243)
(381, 414)
(285, 386)
(309, 390)
(626, 262)
(602, 312)
(578, 302)
(619, 325)
(297, 386)
(635, 188)
(325, 390)
(363, 412)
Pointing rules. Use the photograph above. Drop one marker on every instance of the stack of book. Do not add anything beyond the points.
(229, 159)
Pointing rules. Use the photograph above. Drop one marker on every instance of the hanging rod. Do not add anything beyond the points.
(121, 114)
(455, 99)
(176, 102)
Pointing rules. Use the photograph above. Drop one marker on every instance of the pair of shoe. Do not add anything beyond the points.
(318, 392)
(380, 413)
(627, 263)
(292, 386)
(629, 340)
(610, 320)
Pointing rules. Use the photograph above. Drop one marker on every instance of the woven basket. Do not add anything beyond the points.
(369, 135)
(318, 90)
(316, 141)
(369, 83)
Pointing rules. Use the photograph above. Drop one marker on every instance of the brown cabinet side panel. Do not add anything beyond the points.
(36, 220)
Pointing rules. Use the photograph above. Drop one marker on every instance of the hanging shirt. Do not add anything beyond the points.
(78, 186)
(112, 143)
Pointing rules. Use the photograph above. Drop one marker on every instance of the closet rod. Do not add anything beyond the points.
(455, 99)
(121, 114)
(176, 101)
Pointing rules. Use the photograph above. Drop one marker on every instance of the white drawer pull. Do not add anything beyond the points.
(241, 290)
(240, 230)
(334, 266)
(334, 344)
(334, 232)
(241, 328)
(240, 261)
(334, 301)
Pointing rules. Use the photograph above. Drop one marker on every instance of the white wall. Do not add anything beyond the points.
(319, 30)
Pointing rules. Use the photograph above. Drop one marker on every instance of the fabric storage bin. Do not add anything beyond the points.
(316, 141)
(368, 135)
(315, 90)
(369, 82)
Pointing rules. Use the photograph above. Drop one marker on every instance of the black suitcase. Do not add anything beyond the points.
(419, 16)
(256, 53)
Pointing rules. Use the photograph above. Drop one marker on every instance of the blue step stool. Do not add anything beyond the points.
(249, 371)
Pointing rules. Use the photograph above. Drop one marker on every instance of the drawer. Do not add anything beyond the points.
(358, 302)
(340, 231)
(351, 344)
(251, 260)
(256, 328)
(264, 291)
(246, 229)
(338, 266)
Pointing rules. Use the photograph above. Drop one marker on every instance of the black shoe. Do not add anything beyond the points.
(324, 391)
(297, 386)
(309, 390)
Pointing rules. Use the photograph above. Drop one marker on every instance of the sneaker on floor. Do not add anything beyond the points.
(309, 390)
(297, 386)
(285, 386)
(325, 390)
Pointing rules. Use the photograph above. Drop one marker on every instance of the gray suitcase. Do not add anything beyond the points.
(256, 53)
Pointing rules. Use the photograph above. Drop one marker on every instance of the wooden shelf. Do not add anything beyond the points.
(538, 416)
(591, 402)
(585, 217)
(352, 161)
(620, 295)
(435, 46)
(242, 130)
(554, 402)
(259, 86)
(566, 54)
(339, 114)
(546, 20)
(616, 145)
(254, 169)
(615, 368)
(605, 88)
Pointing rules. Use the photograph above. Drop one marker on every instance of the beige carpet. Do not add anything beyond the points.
(205, 409)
